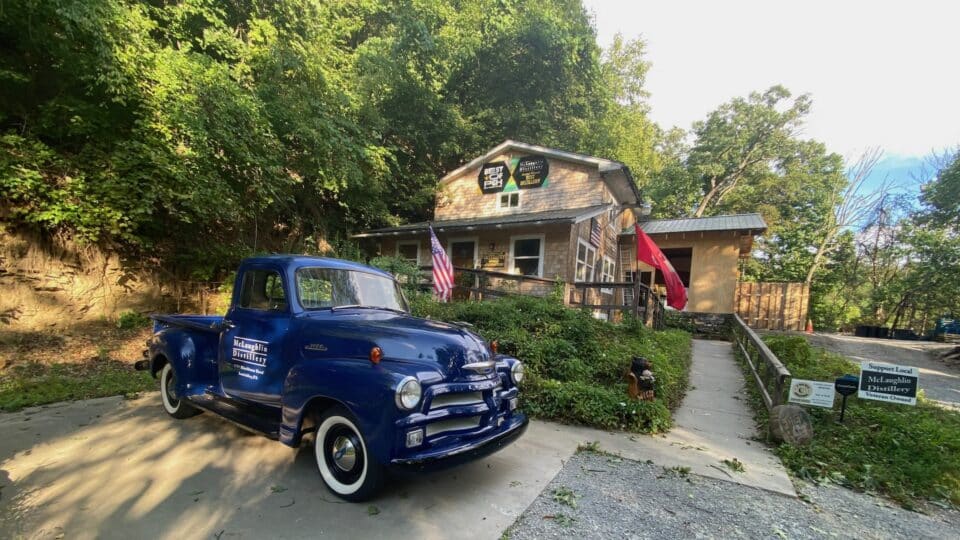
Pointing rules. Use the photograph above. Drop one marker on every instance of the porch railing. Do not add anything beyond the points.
(613, 298)
(482, 284)
(625, 297)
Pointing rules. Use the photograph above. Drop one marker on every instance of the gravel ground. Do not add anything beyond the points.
(618, 498)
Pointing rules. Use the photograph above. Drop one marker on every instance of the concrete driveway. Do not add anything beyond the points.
(110, 468)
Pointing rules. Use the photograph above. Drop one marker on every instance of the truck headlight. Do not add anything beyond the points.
(516, 373)
(408, 393)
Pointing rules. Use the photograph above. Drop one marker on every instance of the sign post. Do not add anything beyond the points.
(846, 386)
(888, 382)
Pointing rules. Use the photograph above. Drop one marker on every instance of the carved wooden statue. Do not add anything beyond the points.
(641, 379)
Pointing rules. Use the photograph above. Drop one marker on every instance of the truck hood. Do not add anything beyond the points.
(433, 344)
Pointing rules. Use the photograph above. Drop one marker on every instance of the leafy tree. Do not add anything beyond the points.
(796, 197)
(836, 297)
(746, 157)
(282, 125)
(942, 195)
(740, 139)
(626, 132)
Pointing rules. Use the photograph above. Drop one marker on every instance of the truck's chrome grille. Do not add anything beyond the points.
(457, 398)
(453, 424)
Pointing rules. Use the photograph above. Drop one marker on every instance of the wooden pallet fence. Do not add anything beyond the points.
(773, 305)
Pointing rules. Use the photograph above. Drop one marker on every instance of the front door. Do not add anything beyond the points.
(251, 360)
(462, 255)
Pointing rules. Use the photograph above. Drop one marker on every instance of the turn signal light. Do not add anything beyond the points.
(494, 346)
(376, 354)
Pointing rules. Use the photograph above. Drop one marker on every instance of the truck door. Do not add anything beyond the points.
(251, 360)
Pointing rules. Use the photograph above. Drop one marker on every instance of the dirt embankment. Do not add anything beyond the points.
(59, 302)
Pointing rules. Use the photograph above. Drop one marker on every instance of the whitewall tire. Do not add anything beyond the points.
(174, 406)
(342, 458)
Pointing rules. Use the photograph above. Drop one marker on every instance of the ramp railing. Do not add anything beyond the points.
(769, 373)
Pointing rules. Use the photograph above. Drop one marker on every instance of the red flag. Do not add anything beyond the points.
(648, 252)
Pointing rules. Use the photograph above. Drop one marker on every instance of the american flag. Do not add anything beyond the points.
(442, 269)
(596, 232)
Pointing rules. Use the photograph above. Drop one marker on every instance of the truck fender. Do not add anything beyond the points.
(176, 347)
(366, 390)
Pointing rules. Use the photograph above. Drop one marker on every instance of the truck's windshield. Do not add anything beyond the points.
(324, 288)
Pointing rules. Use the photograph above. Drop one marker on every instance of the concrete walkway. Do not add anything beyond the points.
(713, 424)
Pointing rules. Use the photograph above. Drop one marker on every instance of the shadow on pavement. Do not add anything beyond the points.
(110, 468)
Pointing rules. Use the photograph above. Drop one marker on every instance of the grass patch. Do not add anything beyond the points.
(907, 453)
(734, 465)
(30, 384)
(565, 496)
(575, 363)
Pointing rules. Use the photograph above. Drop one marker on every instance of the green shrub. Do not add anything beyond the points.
(132, 319)
(593, 405)
(907, 453)
(576, 363)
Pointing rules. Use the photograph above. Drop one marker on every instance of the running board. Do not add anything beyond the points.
(258, 419)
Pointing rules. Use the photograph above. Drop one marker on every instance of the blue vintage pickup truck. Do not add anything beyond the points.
(325, 346)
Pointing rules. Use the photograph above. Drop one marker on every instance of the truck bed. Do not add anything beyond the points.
(202, 323)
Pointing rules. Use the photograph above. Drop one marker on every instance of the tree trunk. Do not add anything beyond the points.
(702, 207)
(820, 254)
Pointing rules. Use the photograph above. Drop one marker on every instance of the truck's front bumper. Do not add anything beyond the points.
(449, 456)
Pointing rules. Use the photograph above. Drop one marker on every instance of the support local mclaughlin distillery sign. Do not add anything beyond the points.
(888, 382)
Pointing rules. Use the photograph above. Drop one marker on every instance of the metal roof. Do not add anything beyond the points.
(566, 215)
(735, 222)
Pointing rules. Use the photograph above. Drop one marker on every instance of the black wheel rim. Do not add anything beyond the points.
(168, 388)
(338, 443)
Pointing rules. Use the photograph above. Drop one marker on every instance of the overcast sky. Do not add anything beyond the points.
(880, 73)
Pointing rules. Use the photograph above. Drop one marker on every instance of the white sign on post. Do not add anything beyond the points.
(888, 382)
(816, 393)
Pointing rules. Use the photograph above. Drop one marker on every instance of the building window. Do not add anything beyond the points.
(606, 273)
(586, 260)
(526, 255)
(409, 251)
(505, 201)
(612, 220)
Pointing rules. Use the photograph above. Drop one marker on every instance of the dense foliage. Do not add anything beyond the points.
(747, 156)
(283, 125)
(144, 125)
(869, 255)
(575, 363)
(901, 267)
(907, 453)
